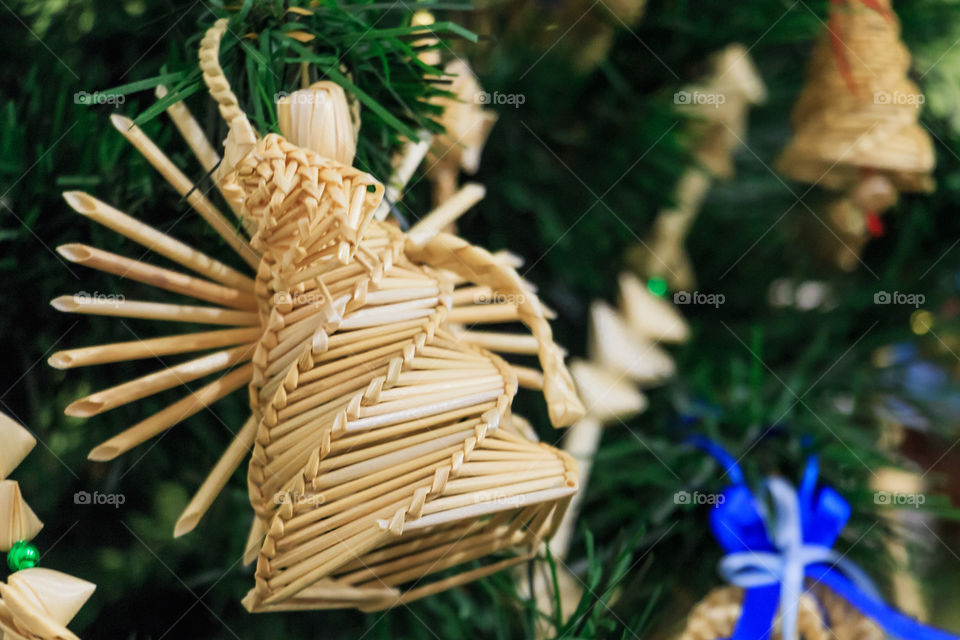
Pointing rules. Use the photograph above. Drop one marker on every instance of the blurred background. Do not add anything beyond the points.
(816, 324)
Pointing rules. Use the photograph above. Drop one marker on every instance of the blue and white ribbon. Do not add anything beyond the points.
(771, 557)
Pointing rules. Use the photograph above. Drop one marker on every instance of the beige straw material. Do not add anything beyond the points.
(17, 519)
(822, 616)
(185, 187)
(154, 240)
(734, 84)
(466, 122)
(35, 603)
(454, 254)
(382, 468)
(356, 351)
(17, 443)
(413, 407)
(719, 106)
(319, 118)
(848, 233)
(38, 603)
(841, 131)
(191, 131)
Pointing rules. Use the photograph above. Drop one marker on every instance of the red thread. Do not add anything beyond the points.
(874, 224)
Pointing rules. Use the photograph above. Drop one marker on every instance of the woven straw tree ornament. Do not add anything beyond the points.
(35, 603)
(466, 124)
(384, 448)
(856, 121)
(719, 105)
(624, 357)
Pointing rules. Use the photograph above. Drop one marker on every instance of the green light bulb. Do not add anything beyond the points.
(22, 555)
(657, 286)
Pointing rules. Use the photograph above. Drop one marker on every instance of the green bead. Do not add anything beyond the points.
(657, 286)
(22, 555)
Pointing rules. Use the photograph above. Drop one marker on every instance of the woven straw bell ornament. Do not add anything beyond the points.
(857, 116)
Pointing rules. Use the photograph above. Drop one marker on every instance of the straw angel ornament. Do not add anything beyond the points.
(35, 603)
(383, 447)
(856, 122)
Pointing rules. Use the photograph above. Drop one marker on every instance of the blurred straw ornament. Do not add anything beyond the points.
(906, 590)
(19, 522)
(38, 604)
(623, 353)
(856, 122)
(427, 48)
(607, 396)
(649, 315)
(858, 110)
(719, 107)
(466, 125)
(620, 349)
(384, 450)
(17, 443)
(823, 617)
(846, 235)
(34, 603)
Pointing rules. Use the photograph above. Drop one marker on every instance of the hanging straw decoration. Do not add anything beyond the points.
(466, 124)
(624, 355)
(856, 123)
(841, 131)
(18, 523)
(465, 121)
(719, 107)
(35, 603)
(785, 575)
(39, 603)
(822, 616)
(386, 463)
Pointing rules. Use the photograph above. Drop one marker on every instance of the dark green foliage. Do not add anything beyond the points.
(367, 48)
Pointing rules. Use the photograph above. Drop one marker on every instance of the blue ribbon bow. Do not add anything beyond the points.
(771, 556)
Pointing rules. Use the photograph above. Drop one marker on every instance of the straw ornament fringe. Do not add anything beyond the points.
(721, 128)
